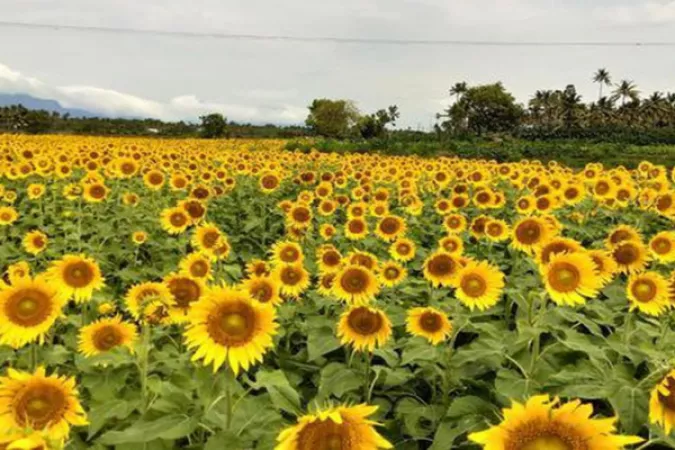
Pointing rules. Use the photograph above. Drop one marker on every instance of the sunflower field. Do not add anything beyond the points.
(189, 294)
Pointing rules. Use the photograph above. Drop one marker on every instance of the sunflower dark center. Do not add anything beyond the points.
(474, 285)
(40, 405)
(78, 274)
(107, 338)
(354, 281)
(564, 277)
(644, 291)
(364, 322)
(430, 322)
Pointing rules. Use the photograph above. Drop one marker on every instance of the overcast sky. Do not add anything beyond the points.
(178, 77)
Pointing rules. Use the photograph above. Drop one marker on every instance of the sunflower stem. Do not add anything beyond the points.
(366, 377)
(33, 356)
(228, 400)
(143, 365)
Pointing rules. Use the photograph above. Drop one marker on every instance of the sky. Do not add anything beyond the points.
(181, 77)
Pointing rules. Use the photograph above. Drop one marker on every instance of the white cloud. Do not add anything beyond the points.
(651, 12)
(184, 107)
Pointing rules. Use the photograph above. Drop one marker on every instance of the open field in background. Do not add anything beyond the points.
(232, 294)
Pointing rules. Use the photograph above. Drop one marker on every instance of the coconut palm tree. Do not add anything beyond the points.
(626, 90)
(602, 77)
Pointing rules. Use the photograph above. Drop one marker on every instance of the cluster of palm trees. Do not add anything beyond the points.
(623, 107)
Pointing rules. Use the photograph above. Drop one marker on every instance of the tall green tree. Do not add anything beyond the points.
(603, 78)
(332, 118)
(484, 109)
(626, 90)
(213, 126)
(459, 89)
(375, 125)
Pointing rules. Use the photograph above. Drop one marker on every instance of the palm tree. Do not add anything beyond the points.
(459, 89)
(626, 90)
(602, 77)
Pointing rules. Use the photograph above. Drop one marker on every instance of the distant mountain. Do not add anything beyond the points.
(30, 102)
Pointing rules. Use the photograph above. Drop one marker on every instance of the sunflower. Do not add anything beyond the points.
(175, 220)
(329, 259)
(402, 249)
(545, 423)
(662, 403)
(356, 229)
(530, 233)
(648, 292)
(497, 230)
(269, 182)
(293, 279)
(364, 328)
(206, 237)
(440, 268)
(257, 268)
(154, 180)
(390, 227)
(194, 208)
(95, 192)
(8, 215)
(630, 257)
(662, 246)
(185, 291)
(526, 204)
(196, 265)
(139, 237)
(327, 231)
(35, 242)
(452, 244)
(299, 215)
(555, 246)
(341, 427)
(325, 284)
(18, 271)
(479, 285)
(29, 440)
(145, 298)
(455, 223)
(265, 289)
(76, 276)
(570, 277)
(227, 325)
(355, 284)
(40, 402)
(391, 273)
(604, 265)
(429, 323)
(106, 334)
(477, 226)
(28, 309)
(621, 234)
(287, 252)
(131, 199)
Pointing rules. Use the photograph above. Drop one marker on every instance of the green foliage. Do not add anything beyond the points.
(213, 126)
(332, 118)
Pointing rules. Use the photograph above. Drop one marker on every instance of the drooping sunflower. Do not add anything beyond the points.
(604, 264)
(175, 220)
(40, 402)
(186, 291)
(144, 299)
(28, 309)
(478, 285)
(570, 278)
(287, 252)
(197, 265)
(440, 268)
(106, 334)
(76, 276)
(35, 242)
(662, 403)
(293, 279)
(648, 292)
(341, 427)
(530, 233)
(355, 284)
(227, 325)
(630, 257)
(429, 323)
(265, 289)
(621, 234)
(391, 273)
(364, 328)
(662, 246)
(545, 423)
(402, 249)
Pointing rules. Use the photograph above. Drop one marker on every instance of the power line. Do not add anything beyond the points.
(338, 40)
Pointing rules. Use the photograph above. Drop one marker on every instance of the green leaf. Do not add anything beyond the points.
(337, 379)
(465, 406)
(321, 340)
(512, 385)
(173, 426)
(632, 405)
(283, 395)
(225, 440)
(115, 409)
(448, 431)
